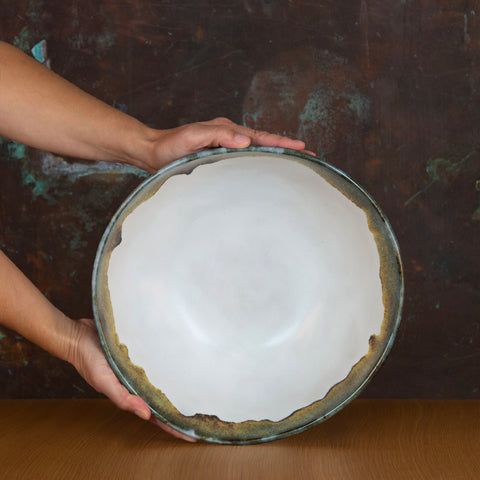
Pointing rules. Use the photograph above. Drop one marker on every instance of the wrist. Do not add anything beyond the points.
(139, 145)
(65, 338)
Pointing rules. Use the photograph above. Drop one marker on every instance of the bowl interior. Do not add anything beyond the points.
(247, 295)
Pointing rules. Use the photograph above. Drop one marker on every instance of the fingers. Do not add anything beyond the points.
(123, 399)
(228, 133)
(126, 401)
(170, 145)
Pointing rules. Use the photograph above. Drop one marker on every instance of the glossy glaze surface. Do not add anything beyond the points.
(247, 295)
(246, 289)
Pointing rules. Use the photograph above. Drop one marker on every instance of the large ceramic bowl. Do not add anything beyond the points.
(247, 295)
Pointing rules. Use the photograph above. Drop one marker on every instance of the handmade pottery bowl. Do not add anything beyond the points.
(247, 295)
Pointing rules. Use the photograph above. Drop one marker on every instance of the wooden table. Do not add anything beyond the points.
(369, 439)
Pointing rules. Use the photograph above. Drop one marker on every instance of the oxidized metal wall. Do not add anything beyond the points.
(388, 91)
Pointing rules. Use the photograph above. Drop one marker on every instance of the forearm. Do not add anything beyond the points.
(42, 110)
(24, 309)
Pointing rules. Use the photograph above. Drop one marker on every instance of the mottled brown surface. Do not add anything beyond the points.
(388, 91)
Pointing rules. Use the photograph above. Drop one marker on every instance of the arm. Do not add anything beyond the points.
(43, 110)
(24, 309)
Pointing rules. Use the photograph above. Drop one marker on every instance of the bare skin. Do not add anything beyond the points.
(40, 109)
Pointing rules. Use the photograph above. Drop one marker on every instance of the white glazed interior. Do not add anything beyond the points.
(246, 289)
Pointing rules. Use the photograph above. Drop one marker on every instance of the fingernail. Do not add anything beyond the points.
(143, 414)
(241, 139)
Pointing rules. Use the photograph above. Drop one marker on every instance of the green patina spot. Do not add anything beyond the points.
(39, 51)
(360, 105)
(323, 104)
(2, 336)
(438, 168)
(40, 187)
(254, 116)
(89, 223)
(105, 40)
(286, 98)
(476, 215)
(47, 178)
(318, 111)
(443, 169)
(100, 43)
(76, 243)
(23, 40)
(437, 306)
(16, 150)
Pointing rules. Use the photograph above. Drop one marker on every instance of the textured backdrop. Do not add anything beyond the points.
(386, 90)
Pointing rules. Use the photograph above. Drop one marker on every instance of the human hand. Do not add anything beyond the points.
(170, 145)
(58, 117)
(91, 364)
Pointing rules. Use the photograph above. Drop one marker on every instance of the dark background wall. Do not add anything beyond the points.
(386, 90)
